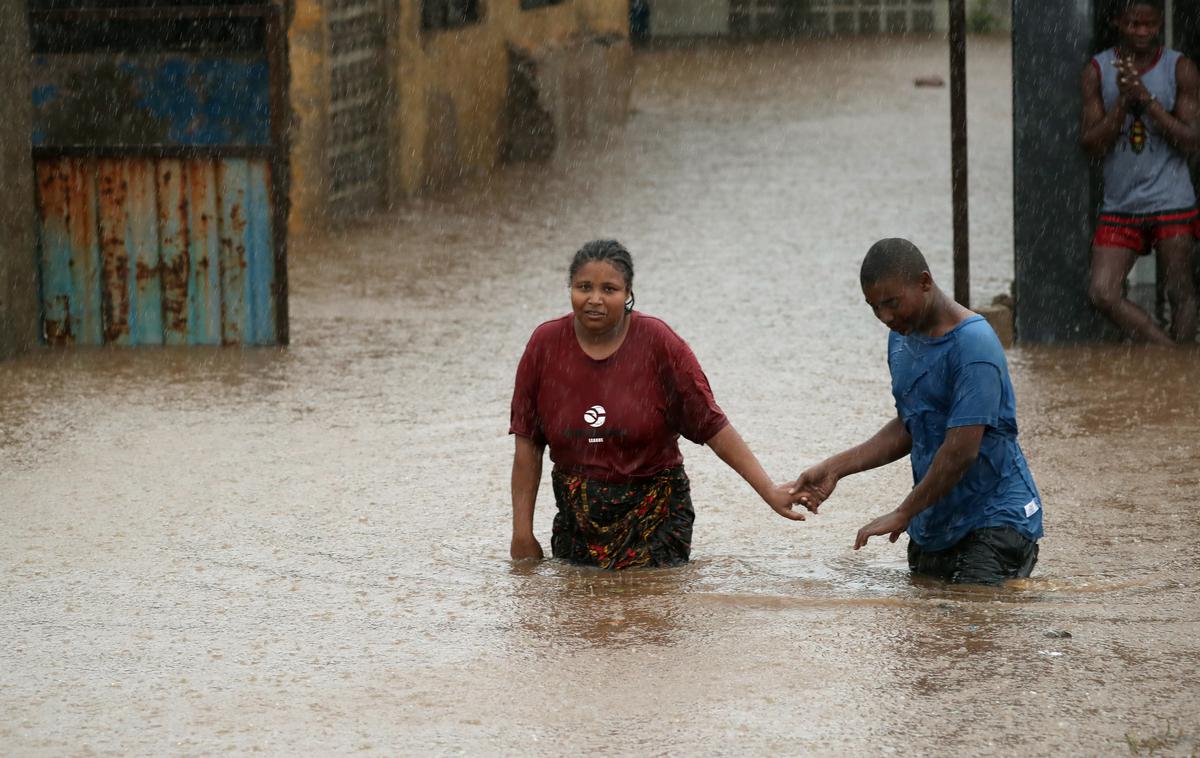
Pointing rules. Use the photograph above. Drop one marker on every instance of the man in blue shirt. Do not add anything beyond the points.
(974, 514)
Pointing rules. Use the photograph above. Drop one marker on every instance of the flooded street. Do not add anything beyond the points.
(305, 551)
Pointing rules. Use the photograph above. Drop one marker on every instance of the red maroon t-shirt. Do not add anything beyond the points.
(619, 418)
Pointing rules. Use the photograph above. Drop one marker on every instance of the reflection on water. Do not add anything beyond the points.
(609, 610)
(305, 550)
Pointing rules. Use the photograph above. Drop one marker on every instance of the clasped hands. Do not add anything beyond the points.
(1129, 83)
(814, 486)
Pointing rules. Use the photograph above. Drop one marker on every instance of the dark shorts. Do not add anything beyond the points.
(1141, 231)
(985, 556)
(618, 526)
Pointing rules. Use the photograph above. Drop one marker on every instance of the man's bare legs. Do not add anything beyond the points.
(1110, 266)
(1175, 265)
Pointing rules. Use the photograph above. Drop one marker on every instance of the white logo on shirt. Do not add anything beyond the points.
(594, 416)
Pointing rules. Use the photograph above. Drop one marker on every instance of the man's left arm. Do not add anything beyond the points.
(1181, 127)
(977, 391)
(951, 462)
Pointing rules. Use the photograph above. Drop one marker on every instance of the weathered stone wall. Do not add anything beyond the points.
(451, 114)
(582, 87)
(18, 269)
(308, 93)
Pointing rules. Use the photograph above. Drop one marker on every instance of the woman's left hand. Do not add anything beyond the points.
(780, 500)
(731, 448)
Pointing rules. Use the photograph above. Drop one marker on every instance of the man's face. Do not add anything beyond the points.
(1139, 27)
(900, 303)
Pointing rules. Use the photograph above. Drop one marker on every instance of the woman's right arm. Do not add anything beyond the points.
(816, 484)
(526, 476)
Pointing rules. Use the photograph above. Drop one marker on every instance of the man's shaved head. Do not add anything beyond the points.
(892, 257)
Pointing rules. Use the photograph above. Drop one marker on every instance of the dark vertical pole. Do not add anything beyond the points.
(278, 71)
(1053, 210)
(20, 309)
(958, 150)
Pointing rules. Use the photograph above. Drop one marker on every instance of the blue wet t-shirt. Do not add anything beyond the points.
(961, 379)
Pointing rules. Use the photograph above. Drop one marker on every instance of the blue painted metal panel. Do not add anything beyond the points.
(141, 252)
(141, 247)
(260, 258)
(172, 235)
(113, 187)
(232, 177)
(204, 268)
(86, 323)
(150, 100)
(52, 179)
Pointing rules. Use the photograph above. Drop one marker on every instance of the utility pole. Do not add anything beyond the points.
(958, 150)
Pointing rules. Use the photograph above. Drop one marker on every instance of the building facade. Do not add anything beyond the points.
(697, 18)
(393, 97)
(164, 151)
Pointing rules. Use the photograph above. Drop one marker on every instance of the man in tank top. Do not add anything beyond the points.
(1141, 103)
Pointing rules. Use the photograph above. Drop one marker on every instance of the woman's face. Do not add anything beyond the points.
(598, 295)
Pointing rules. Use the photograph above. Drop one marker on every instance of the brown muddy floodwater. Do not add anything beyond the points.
(304, 551)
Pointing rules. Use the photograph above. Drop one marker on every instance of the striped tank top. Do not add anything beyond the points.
(1144, 173)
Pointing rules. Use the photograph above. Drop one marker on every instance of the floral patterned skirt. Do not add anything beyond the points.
(619, 526)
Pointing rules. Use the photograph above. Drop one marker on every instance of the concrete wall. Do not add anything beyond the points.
(308, 93)
(1052, 178)
(703, 18)
(447, 115)
(453, 83)
(688, 18)
(19, 316)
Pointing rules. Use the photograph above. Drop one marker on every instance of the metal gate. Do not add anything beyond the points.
(161, 173)
(359, 95)
(870, 16)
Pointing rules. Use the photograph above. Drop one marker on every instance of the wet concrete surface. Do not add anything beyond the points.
(305, 550)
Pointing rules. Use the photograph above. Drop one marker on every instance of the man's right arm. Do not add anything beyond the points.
(816, 484)
(889, 444)
(1099, 130)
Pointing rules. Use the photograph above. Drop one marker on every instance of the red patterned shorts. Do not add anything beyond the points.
(1139, 232)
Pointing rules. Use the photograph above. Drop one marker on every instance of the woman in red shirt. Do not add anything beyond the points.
(610, 391)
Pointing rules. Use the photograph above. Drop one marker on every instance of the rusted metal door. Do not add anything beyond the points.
(161, 174)
(359, 95)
